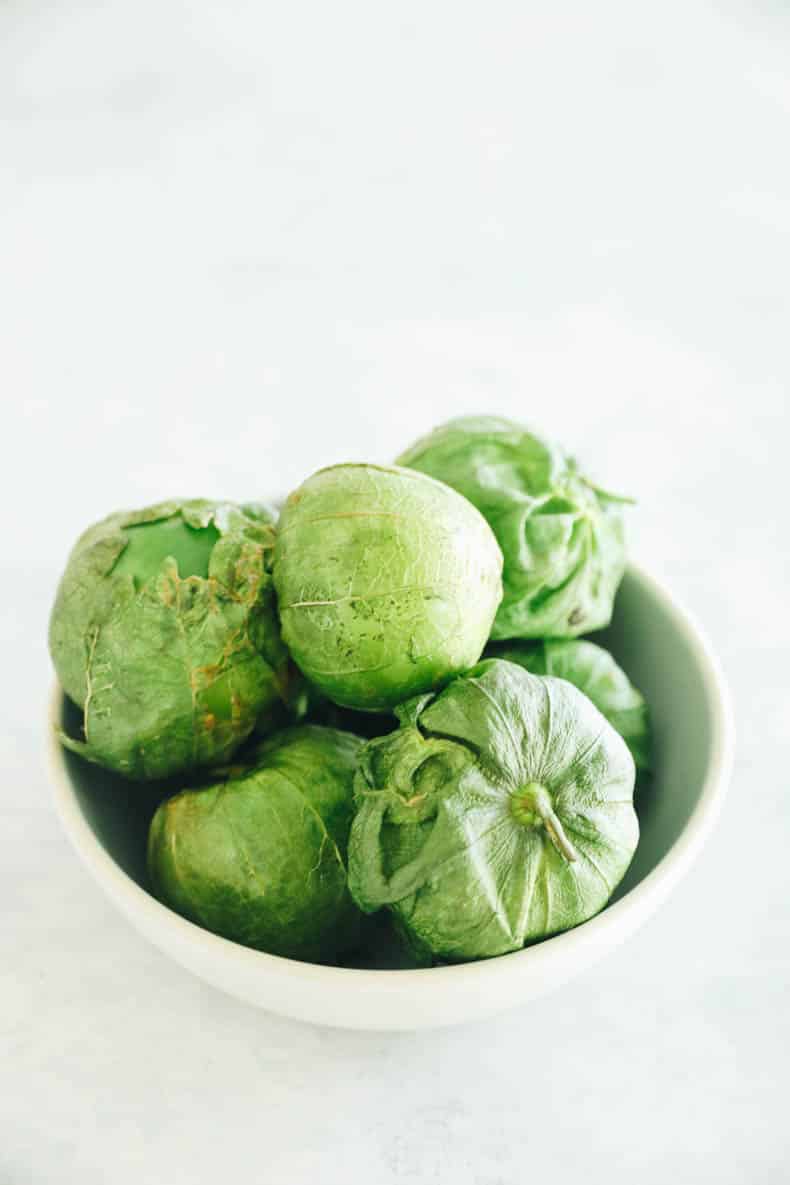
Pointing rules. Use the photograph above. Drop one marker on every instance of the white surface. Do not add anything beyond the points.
(239, 241)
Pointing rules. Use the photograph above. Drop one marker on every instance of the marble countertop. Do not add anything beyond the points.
(239, 243)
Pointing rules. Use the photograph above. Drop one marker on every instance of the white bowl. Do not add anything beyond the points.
(667, 657)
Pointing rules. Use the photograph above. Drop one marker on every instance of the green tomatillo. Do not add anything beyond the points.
(164, 632)
(387, 583)
(499, 813)
(260, 857)
(561, 535)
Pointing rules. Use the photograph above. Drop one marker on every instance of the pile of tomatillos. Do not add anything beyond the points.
(377, 701)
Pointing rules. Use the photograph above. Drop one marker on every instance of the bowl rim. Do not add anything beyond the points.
(607, 928)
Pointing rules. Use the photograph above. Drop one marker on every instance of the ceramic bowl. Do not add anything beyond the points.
(667, 657)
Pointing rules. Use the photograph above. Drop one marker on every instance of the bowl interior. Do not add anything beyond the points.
(649, 638)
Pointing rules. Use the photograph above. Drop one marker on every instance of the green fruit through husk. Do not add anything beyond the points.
(164, 632)
(387, 583)
(260, 857)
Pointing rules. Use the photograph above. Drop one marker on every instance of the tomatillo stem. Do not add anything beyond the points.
(533, 807)
(559, 838)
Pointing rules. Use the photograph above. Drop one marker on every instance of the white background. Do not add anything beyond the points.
(239, 241)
